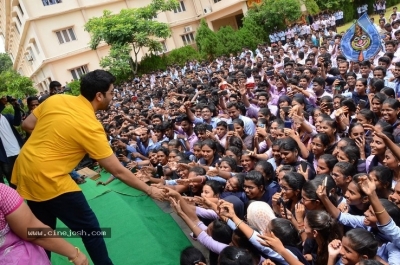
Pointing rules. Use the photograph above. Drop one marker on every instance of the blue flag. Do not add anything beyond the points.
(361, 41)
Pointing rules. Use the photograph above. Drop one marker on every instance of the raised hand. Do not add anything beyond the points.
(321, 191)
(334, 248)
(225, 209)
(271, 241)
(175, 204)
(300, 212)
(366, 185)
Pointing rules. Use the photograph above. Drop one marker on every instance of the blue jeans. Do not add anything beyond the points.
(74, 211)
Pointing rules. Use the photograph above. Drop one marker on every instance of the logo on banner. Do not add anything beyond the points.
(361, 41)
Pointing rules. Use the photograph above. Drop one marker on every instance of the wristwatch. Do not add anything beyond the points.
(185, 139)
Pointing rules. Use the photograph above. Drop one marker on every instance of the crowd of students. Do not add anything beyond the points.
(283, 155)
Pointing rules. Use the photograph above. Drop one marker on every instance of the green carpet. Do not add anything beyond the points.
(141, 233)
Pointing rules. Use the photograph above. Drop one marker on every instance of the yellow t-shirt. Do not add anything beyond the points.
(66, 130)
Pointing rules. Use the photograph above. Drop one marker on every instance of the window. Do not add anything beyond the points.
(15, 25)
(65, 35)
(36, 47)
(181, 7)
(78, 72)
(20, 9)
(188, 38)
(19, 20)
(51, 2)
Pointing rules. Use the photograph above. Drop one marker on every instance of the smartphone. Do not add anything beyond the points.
(270, 73)
(209, 128)
(303, 165)
(329, 105)
(224, 93)
(288, 124)
(342, 83)
(286, 109)
(362, 103)
(261, 125)
(230, 127)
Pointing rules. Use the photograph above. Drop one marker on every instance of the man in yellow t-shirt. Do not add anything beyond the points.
(63, 129)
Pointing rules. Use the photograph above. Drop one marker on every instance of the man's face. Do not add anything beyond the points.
(202, 135)
(318, 89)
(262, 101)
(383, 64)
(396, 72)
(185, 126)
(365, 70)
(390, 48)
(54, 90)
(351, 81)
(107, 98)
(288, 70)
(233, 112)
(378, 74)
(343, 68)
(144, 136)
(33, 105)
(156, 121)
(309, 64)
(206, 114)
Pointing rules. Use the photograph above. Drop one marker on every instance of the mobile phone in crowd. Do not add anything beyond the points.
(261, 125)
(230, 127)
(362, 103)
(288, 124)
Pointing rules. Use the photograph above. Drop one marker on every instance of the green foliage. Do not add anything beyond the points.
(273, 14)
(75, 88)
(333, 4)
(227, 41)
(181, 55)
(5, 62)
(178, 56)
(16, 85)
(247, 38)
(134, 27)
(311, 6)
(206, 41)
(151, 63)
(118, 62)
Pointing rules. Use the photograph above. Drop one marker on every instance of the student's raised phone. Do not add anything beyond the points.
(230, 127)
(261, 125)
(286, 109)
(362, 103)
(288, 124)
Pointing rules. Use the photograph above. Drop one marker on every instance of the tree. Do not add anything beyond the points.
(332, 4)
(271, 15)
(133, 27)
(228, 42)
(16, 85)
(5, 62)
(311, 6)
(181, 55)
(118, 62)
(73, 88)
(206, 41)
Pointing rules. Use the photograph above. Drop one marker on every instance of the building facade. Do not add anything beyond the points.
(46, 39)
